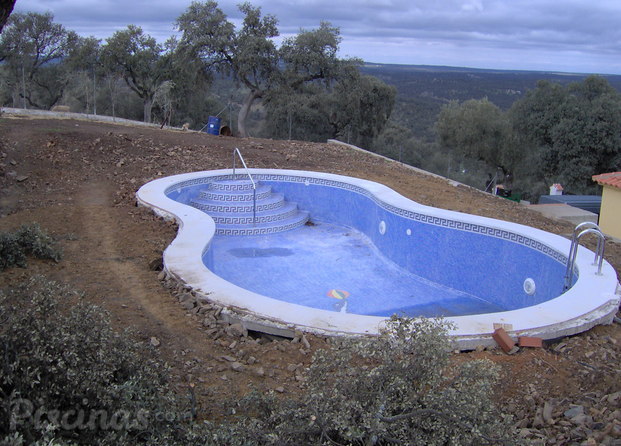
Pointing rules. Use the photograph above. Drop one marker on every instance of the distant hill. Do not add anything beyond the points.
(423, 89)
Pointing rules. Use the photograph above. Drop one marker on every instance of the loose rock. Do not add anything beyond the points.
(236, 330)
(548, 407)
(305, 342)
(574, 411)
(237, 366)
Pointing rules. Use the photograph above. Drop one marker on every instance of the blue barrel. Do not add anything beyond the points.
(213, 125)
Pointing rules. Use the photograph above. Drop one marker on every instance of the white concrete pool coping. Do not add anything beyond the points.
(594, 299)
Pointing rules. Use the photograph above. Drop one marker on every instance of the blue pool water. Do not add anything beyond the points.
(303, 265)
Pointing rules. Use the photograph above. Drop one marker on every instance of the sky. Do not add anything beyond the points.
(576, 36)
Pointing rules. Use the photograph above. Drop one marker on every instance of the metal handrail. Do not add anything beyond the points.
(254, 185)
(601, 239)
(589, 225)
(591, 228)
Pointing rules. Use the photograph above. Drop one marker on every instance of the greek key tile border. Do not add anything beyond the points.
(262, 231)
(196, 181)
(222, 196)
(231, 187)
(248, 219)
(217, 207)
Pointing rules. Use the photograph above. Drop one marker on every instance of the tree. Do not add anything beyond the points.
(480, 130)
(576, 130)
(189, 94)
(301, 114)
(139, 59)
(85, 66)
(113, 83)
(6, 7)
(361, 106)
(352, 107)
(535, 116)
(311, 56)
(250, 56)
(34, 48)
(399, 143)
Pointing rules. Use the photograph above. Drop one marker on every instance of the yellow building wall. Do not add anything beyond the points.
(610, 212)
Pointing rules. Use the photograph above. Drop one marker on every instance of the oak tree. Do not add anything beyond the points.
(33, 48)
(140, 60)
(249, 55)
(575, 129)
(480, 130)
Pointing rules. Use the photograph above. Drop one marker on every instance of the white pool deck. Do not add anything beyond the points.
(594, 299)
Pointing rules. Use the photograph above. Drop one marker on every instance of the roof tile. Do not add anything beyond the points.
(609, 179)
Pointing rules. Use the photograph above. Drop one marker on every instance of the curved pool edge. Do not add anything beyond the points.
(585, 305)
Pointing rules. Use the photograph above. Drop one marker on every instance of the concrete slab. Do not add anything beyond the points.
(564, 212)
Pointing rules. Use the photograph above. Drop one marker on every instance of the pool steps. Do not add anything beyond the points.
(230, 203)
(236, 195)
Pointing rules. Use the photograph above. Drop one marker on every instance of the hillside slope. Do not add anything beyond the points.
(78, 179)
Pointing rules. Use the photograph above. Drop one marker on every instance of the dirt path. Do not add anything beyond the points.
(131, 291)
(110, 265)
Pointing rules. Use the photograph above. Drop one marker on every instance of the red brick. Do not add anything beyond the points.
(529, 341)
(503, 339)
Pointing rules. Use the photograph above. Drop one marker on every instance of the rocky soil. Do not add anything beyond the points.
(78, 179)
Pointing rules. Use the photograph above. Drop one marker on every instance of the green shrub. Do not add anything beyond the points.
(395, 389)
(68, 378)
(29, 239)
(37, 243)
(11, 252)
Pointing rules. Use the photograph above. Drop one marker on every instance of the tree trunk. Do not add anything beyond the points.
(6, 7)
(148, 105)
(245, 111)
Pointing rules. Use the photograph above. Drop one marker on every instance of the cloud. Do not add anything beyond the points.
(572, 35)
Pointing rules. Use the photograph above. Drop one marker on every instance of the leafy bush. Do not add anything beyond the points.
(11, 253)
(29, 239)
(399, 388)
(68, 378)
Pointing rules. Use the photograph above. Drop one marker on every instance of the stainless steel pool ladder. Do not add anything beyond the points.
(583, 229)
(254, 185)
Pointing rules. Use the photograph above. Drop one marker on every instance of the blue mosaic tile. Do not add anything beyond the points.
(424, 218)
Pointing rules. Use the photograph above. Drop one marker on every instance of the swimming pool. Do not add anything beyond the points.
(514, 272)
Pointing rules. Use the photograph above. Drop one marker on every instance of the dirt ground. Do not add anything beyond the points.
(78, 179)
